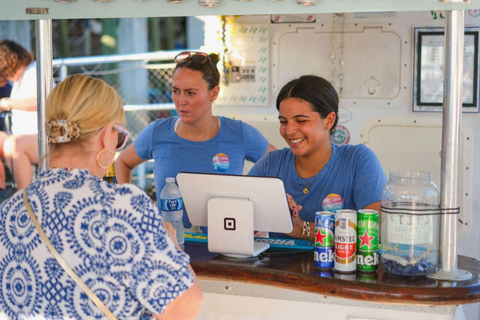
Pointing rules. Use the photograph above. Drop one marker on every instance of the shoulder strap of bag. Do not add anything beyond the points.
(64, 264)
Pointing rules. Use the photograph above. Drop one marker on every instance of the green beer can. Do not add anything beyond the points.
(367, 241)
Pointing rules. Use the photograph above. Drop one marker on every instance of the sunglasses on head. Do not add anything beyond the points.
(122, 136)
(196, 57)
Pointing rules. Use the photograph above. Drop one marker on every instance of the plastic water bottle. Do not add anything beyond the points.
(172, 208)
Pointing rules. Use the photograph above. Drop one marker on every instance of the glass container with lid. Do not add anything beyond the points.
(410, 224)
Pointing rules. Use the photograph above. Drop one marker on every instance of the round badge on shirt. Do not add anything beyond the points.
(332, 202)
(221, 162)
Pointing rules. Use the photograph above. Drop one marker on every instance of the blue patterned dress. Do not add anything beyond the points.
(111, 235)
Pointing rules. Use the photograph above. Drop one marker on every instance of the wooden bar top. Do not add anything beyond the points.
(295, 270)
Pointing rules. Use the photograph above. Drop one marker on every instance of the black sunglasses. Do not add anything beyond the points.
(196, 57)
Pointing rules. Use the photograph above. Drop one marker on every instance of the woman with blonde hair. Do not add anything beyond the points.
(112, 236)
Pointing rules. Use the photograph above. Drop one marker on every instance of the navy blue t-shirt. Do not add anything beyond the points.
(4, 93)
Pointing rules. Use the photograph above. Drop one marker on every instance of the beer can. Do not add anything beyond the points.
(367, 277)
(324, 273)
(367, 243)
(345, 276)
(209, 3)
(345, 241)
(324, 239)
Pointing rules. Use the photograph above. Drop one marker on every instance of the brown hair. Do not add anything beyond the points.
(209, 72)
(314, 90)
(12, 57)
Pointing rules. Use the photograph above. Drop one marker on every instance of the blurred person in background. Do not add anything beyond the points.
(5, 90)
(111, 235)
(18, 66)
(195, 140)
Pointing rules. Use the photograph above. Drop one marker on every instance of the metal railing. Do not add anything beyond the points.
(159, 65)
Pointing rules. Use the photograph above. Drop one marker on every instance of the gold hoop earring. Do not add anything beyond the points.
(98, 156)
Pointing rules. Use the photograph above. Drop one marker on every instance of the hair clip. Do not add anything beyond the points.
(62, 131)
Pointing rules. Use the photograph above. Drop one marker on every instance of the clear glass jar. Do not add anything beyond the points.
(410, 224)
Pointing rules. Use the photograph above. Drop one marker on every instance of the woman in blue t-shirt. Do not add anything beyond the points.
(196, 140)
(317, 174)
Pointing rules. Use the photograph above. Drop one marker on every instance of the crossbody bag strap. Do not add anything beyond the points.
(64, 264)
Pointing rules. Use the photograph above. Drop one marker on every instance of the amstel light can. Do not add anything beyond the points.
(345, 241)
(324, 234)
(345, 276)
(367, 243)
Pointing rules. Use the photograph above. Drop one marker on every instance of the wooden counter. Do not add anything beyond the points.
(293, 270)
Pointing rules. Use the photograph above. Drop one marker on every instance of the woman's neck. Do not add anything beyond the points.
(72, 161)
(308, 166)
(199, 131)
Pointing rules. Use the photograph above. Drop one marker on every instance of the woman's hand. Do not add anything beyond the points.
(294, 207)
(296, 220)
(171, 232)
(297, 227)
(5, 104)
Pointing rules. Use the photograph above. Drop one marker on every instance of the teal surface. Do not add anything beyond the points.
(274, 242)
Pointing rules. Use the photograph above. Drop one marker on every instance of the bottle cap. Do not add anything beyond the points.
(170, 180)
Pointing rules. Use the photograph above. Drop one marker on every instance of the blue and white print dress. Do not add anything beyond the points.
(111, 235)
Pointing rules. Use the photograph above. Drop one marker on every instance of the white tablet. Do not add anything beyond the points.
(233, 207)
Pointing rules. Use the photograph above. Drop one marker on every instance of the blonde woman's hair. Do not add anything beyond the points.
(88, 102)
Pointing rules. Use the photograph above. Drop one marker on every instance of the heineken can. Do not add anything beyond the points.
(367, 277)
(367, 243)
(324, 233)
(324, 273)
(345, 241)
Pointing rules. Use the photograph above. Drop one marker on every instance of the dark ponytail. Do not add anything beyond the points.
(317, 91)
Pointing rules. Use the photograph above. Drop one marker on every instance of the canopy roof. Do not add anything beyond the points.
(80, 9)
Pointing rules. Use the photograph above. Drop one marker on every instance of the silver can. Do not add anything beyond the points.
(345, 241)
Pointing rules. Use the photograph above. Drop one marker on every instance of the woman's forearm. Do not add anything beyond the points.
(8, 104)
(122, 171)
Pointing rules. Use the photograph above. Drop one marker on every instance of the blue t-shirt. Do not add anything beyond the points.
(352, 179)
(224, 153)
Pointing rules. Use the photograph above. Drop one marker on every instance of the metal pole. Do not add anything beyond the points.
(452, 123)
(63, 72)
(44, 52)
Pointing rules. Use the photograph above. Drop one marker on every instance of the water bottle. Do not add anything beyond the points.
(172, 208)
